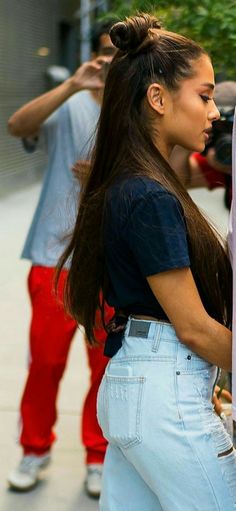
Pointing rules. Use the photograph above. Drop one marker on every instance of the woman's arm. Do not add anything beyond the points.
(177, 294)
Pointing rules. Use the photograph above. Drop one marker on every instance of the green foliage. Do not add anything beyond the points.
(210, 22)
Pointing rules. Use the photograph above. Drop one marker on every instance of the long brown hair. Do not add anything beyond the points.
(146, 54)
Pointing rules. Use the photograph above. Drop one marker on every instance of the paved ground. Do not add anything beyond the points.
(61, 488)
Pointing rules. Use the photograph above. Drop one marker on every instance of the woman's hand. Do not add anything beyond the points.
(217, 398)
(80, 170)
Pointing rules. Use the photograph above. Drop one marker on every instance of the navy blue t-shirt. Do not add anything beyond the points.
(144, 234)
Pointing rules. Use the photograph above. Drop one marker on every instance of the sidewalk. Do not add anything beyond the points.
(61, 487)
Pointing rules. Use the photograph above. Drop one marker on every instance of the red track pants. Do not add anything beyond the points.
(51, 333)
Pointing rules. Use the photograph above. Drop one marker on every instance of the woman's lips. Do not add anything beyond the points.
(207, 133)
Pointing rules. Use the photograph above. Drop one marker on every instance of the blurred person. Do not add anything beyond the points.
(61, 122)
(213, 167)
(167, 274)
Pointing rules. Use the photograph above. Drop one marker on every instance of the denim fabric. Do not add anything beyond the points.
(166, 444)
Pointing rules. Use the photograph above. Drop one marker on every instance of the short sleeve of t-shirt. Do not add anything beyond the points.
(47, 132)
(156, 233)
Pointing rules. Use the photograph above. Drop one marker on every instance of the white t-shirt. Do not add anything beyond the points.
(66, 136)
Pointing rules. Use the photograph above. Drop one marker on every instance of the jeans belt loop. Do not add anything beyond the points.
(157, 337)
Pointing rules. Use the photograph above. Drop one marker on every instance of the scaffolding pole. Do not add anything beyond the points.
(87, 7)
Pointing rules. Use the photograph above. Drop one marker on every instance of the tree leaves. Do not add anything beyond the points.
(212, 23)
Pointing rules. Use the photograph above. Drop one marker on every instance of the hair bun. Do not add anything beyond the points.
(129, 34)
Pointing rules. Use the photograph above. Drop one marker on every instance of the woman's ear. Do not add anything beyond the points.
(156, 98)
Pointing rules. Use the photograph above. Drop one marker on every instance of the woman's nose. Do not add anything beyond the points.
(214, 114)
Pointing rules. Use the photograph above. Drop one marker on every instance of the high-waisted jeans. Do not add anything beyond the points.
(168, 450)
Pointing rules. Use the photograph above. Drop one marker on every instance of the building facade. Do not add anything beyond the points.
(34, 35)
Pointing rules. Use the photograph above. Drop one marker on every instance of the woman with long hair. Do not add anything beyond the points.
(141, 240)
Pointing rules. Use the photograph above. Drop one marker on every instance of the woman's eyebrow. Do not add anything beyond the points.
(209, 85)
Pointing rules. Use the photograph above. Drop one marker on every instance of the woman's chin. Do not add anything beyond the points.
(199, 147)
(194, 148)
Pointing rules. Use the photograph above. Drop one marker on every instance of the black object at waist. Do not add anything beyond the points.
(139, 310)
(116, 328)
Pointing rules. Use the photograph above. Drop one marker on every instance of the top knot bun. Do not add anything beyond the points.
(128, 35)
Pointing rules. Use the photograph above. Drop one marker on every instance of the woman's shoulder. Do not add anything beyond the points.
(141, 200)
(136, 188)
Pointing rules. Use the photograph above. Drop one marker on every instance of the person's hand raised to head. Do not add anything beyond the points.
(90, 74)
(81, 169)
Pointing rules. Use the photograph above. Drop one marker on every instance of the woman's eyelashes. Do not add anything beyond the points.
(205, 98)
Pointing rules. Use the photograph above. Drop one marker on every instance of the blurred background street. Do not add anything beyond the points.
(62, 487)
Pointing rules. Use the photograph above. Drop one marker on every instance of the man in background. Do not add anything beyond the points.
(61, 122)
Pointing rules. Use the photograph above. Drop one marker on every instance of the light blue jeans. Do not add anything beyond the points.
(168, 450)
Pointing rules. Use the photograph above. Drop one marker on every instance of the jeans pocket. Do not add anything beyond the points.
(120, 409)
